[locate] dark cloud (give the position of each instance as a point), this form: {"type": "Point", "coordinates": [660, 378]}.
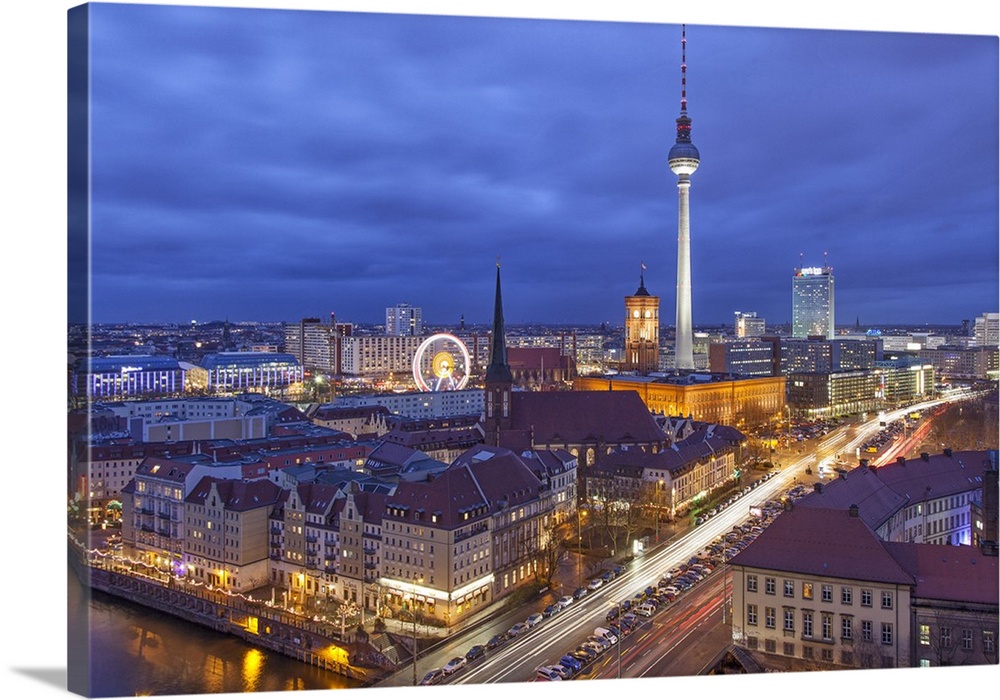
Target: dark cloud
{"type": "Point", "coordinates": [267, 164]}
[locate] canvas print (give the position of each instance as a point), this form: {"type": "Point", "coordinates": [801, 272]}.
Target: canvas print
{"type": "Point", "coordinates": [420, 350]}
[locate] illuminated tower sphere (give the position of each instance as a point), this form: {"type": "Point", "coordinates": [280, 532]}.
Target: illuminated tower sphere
{"type": "Point", "coordinates": [683, 160]}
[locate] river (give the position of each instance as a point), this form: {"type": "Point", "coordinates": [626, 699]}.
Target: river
{"type": "Point", "coordinates": [138, 651]}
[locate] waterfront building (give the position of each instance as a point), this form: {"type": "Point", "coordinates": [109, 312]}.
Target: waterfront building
{"type": "Point", "coordinates": [403, 319]}
{"type": "Point", "coordinates": [153, 505]}
{"type": "Point", "coordinates": [470, 536]}
{"type": "Point", "coordinates": [642, 331]}
{"type": "Point", "coordinates": [238, 372]}
{"type": "Point", "coordinates": [225, 537]}
{"type": "Point", "coordinates": [127, 376]}
{"type": "Point", "coordinates": [812, 302]}
{"type": "Point", "coordinates": [748, 325]}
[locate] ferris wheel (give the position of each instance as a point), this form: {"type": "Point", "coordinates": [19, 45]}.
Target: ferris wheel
{"type": "Point", "coordinates": [441, 363]}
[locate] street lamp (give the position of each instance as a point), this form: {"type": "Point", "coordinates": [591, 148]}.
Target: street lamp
{"type": "Point", "coordinates": [413, 613]}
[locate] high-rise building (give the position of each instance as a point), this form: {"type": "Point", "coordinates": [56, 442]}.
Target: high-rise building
{"type": "Point", "coordinates": [748, 325]}
{"type": "Point", "coordinates": [987, 329]}
{"type": "Point", "coordinates": [683, 160]}
{"type": "Point", "coordinates": [403, 319]}
{"type": "Point", "coordinates": [812, 302]}
{"type": "Point", "coordinates": [315, 344]}
{"type": "Point", "coordinates": [642, 330]}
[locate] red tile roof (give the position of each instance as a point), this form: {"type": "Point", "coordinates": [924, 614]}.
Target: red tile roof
{"type": "Point", "coordinates": [823, 542]}
{"type": "Point", "coordinates": [237, 495]}
{"type": "Point", "coordinates": [577, 417]}
{"type": "Point", "coordinates": [947, 572]}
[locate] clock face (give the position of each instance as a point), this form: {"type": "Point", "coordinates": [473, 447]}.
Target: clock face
{"type": "Point", "coordinates": [635, 314]}
{"type": "Point", "coordinates": [649, 314]}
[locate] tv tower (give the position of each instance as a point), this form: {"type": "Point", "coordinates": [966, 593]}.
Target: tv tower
{"type": "Point", "coordinates": [683, 160]}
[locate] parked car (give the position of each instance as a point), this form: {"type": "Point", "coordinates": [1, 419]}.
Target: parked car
{"type": "Point", "coordinates": [433, 676]}
{"type": "Point", "coordinates": [476, 652]}
{"type": "Point", "coordinates": [496, 640]}
{"type": "Point", "coordinates": [646, 610]}
{"type": "Point", "coordinates": [607, 576]}
{"type": "Point", "coordinates": [564, 673]}
{"type": "Point", "coordinates": [454, 665]}
{"type": "Point", "coordinates": [619, 570]}
{"type": "Point", "coordinates": [570, 662]}
{"type": "Point", "coordinates": [602, 643]}
{"type": "Point", "coordinates": [551, 610]}
{"type": "Point", "coordinates": [551, 671]}
{"type": "Point", "coordinates": [544, 673]}
{"type": "Point", "coordinates": [612, 615]}
{"type": "Point", "coordinates": [566, 601]}
{"type": "Point", "coordinates": [606, 633]}
{"type": "Point", "coordinates": [579, 593]}
{"type": "Point", "coordinates": [517, 629]}
{"type": "Point", "coordinates": [534, 619]}
{"type": "Point", "coordinates": [597, 647]}
{"type": "Point", "coordinates": [595, 584]}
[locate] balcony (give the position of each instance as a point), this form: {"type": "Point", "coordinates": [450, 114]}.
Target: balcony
{"type": "Point", "coordinates": [331, 569]}
{"type": "Point", "coordinates": [312, 539]}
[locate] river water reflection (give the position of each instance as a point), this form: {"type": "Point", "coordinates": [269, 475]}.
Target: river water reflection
{"type": "Point", "coordinates": [138, 651]}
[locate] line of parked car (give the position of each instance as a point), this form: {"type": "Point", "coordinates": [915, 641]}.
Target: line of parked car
{"type": "Point", "coordinates": [478, 651]}
{"type": "Point", "coordinates": [734, 498]}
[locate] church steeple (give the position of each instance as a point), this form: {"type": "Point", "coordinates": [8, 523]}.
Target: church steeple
{"type": "Point", "coordinates": [498, 369]}
{"type": "Point", "coordinates": [499, 380]}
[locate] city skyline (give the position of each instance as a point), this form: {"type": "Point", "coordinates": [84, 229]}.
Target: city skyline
{"type": "Point", "coordinates": [301, 162]}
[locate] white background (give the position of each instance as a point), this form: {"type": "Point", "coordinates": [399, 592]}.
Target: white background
{"type": "Point", "coordinates": [33, 261]}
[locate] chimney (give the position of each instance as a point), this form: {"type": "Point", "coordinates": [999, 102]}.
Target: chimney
{"type": "Point", "coordinates": [853, 510]}
{"type": "Point", "coordinates": [863, 463]}
{"type": "Point", "coordinates": [818, 487]}
{"type": "Point", "coordinates": [901, 460]}
{"type": "Point", "coordinates": [947, 452]}
{"type": "Point", "coordinates": [924, 456]}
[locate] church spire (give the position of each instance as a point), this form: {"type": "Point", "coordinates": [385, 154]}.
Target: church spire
{"type": "Point", "coordinates": [498, 370]}
{"type": "Point", "coordinates": [499, 379]}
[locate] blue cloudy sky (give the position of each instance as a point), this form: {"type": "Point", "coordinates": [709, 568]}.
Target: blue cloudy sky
{"type": "Point", "coordinates": [273, 164]}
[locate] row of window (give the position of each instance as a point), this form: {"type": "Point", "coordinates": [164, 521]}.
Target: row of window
{"type": "Point", "coordinates": [826, 592]}
{"type": "Point", "coordinates": [847, 628]}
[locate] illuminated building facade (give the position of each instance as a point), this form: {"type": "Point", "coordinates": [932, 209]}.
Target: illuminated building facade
{"type": "Point", "coordinates": [642, 331]}
{"type": "Point", "coordinates": [127, 376]}
{"type": "Point", "coordinates": [403, 319]}
{"type": "Point", "coordinates": [230, 372]}
{"type": "Point", "coordinates": [706, 398]}
{"type": "Point", "coordinates": [812, 302]}
{"type": "Point", "coordinates": [748, 325]}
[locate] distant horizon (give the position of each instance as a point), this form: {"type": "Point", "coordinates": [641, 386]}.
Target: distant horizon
{"type": "Point", "coordinates": [509, 323]}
